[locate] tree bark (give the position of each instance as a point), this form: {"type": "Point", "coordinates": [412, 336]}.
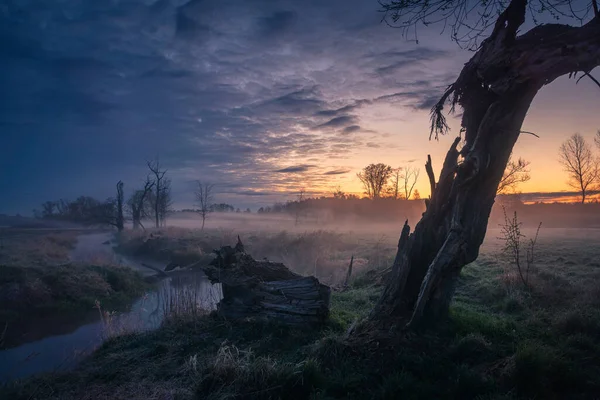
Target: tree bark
{"type": "Point", "coordinates": [495, 90]}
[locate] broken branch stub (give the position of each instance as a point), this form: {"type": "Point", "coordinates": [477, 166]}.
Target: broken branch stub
{"type": "Point", "coordinates": [266, 290]}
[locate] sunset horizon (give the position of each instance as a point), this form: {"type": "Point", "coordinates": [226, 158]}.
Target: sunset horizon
{"type": "Point", "coordinates": [283, 99]}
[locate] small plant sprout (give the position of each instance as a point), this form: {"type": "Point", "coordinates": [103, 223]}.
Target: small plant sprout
{"type": "Point", "coordinates": [514, 246]}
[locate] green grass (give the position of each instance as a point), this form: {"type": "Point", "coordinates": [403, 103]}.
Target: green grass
{"type": "Point", "coordinates": [476, 354]}
{"type": "Point", "coordinates": [501, 341]}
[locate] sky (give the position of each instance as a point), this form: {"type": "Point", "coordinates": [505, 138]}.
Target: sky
{"type": "Point", "coordinates": [259, 97]}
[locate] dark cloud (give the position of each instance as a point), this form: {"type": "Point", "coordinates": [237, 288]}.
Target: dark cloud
{"type": "Point", "coordinates": [303, 102]}
{"type": "Point", "coordinates": [344, 110]}
{"type": "Point", "coordinates": [227, 89]}
{"type": "Point", "coordinates": [167, 73]}
{"type": "Point", "coordinates": [397, 60]}
{"type": "Point", "coordinates": [188, 29]}
{"type": "Point", "coordinates": [351, 129]}
{"type": "Point", "coordinates": [340, 171]}
{"type": "Point", "coordinates": [394, 67]}
{"type": "Point", "coordinates": [277, 23]}
{"type": "Point", "coordinates": [427, 102]}
{"type": "Point", "coordinates": [295, 168]}
{"type": "Point", "coordinates": [337, 122]}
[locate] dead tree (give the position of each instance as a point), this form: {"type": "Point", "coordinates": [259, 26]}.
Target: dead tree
{"type": "Point", "coordinates": [204, 198]}
{"type": "Point", "coordinates": [495, 90]}
{"type": "Point", "coordinates": [138, 204]}
{"type": "Point", "coordinates": [165, 202]}
{"type": "Point", "coordinates": [266, 290]}
{"type": "Point", "coordinates": [120, 220]}
{"type": "Point", "coordinates": [159, 183]}
{"type": "Point", "coordinates": [410, 176]}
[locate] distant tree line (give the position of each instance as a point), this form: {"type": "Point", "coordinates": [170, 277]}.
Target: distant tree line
{"type": "Point", "coordinates": [152, 201]}
{"type": "Point", "coordinates": [390, 187]}
{"type": "Point", "coordinates": [340, 206]}
{"type": "Point", "coordinates": [388, 192]}
{"type": "Point", "coordinates": [218, 208]}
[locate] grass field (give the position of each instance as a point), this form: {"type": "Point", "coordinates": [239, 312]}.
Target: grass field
{"type": "Point", "coordinates": [31, 247]}
{"type": "Point", "coordinates": [502, 341]}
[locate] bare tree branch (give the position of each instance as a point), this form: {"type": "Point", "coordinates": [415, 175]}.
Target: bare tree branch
{"type": "Point", "coordinates": [516, 172]}
{"type": "Point", "coordinates": [579, 163]}
{"type": "Point", "coordinates": [589, 76]}
{"type": "Point", "coordinates": [410, 177]}
{"type": "Point", "coordinates": [469, 20]}
{"type": "Point", "coordinates": [139, 204]}
{"type": "Point", "coordinates": [204, 199]}
{"type": "Point", "coordinates": [531, 133]}
{"type": "Point", "coordinates": [159, 187]}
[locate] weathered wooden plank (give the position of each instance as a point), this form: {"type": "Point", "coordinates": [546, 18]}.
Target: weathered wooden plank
{"type": "Point", "coordinates": [263, 289]}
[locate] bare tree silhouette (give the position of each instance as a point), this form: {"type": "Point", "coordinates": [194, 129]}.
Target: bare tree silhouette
{"type": "Point", "coordinates": [120, 220]}
{"type": "Point", "coordinates": [204, 199]}
{"type": "Point", "coordinates": [165, 205]}
{"type": "Point", "coordinates": [410, 176]}
{"type": "Point", "coordinates": [159, 183]}
{"type": "Point", "coordinates": [579, 163]}
{"type": "Point", "coordinates": [139, 204]}
{"type": "Point", "coordinates": [516, 172]}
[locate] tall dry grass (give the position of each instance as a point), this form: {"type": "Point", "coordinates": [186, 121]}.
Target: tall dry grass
{"type": "Point", "coordinates": [116, 324]}
{"type": "Point", "coordinates": [24, 248]}
{"type": "Point", "coordinates": [181, 300]}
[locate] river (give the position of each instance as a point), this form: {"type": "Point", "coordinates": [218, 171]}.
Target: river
{"type": "Point", "coordinates": [60, 342]}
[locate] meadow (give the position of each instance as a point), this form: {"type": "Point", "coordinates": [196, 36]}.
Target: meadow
{"type": "Point", "coordinates": [502, 341]}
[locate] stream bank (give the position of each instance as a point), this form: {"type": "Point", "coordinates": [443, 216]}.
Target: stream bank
{"type": "Point", "coordinates": [57, 338]}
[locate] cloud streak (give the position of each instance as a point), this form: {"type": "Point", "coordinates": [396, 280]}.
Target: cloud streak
{"type": "Point", "coordinates": [103, 86]}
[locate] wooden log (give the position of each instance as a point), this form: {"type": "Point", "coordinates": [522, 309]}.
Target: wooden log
{"type": "Point", "coordinates": [266, 290]}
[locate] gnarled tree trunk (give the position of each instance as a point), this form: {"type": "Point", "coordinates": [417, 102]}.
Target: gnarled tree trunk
{"type": "Point", "coordinates": [495, 90]}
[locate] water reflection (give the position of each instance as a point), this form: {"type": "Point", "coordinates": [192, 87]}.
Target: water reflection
{"type": "Point", "coordinates": [184, 292]}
